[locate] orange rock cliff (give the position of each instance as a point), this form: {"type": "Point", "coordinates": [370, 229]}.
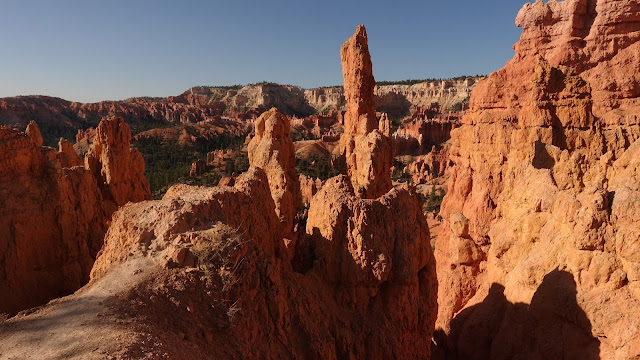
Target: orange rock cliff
{"type": "Point", "coordinates": [54, 212]}
{"type": "Point", "coordinates": [541, 235]}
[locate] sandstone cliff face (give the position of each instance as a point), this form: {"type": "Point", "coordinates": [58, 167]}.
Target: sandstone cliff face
{"type": "Point", "coordinates": [428, 167]}
{"type": "Point", "coordinates": [397, 100]}
{"type": "Point", "coordinates": [366, 150]}
{"type": "Point", "coordinates": [542, 168]}
{"type": "Point", "coordinates": [401, 99]}
{"type": "Point", "coordinates": [418, 137]}
{"type": "Point", "coordinates": [54, 213]}
{"type": "Point", "coordinates": [272, 150]}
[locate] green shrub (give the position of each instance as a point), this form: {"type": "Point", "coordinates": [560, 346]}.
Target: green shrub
{"type": "Point", "coordinates": [433, 202]}
{"type": "Point", "coordinates": [316, 168]}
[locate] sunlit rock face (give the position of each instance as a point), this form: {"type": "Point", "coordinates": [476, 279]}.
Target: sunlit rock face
{"type": "Point", "coordinates": [543, 163]}
{"type": "Point", "coordinates": [365, 146]}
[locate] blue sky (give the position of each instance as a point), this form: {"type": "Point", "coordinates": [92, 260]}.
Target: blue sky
{"type": "Point", "coordinates": [92, 50]}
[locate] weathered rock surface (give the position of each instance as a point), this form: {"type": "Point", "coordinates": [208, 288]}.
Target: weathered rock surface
{"type": "Point", "coordinates": [417, 137]}
{"type": "Point", "coordinates": [542, 171]}
{"type": "Point", "coordinates": [425, 168]}
{"type": "Point", "coordinates": [118, 168]}
{"type": "Point", "coordinates": [34, 133]}
{"type": "Point", "coordinates": [309, 188]}
{"type": "Point", "coordinates": [369, 291]}
{"type": "Point", "coordinates": [198, 167]}
{"type": "Point", "coordinates": [377, 253]}
{"type": "Point", "coordinates": [272, 150]}
{"type": "Point", "coordinates": [54, 213]}
{"type": "Point", "coordinates": [365, 148]}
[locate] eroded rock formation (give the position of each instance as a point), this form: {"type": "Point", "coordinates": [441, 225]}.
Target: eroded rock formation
{"type": "Point", "coordinates": [417, 137]}
{"type": "Point", "coordinates": [309, 188]}
{"type": "Point", "coordinates": [54, 213]}
{"type": "Point", "coordinates": [425, 168]}
{"type": "Point", "coordinates": [366, 149]}
{"type": "Point", "coordinates": [118, 168]}
{"type": "Point", "coordinates": [377, 253]}
{"type": "Point", "coordinates": [358, 282]}
{"type": "Point", "coordinates": [272, 150]}
{"type": "Point", "coordinates": [543, 172]}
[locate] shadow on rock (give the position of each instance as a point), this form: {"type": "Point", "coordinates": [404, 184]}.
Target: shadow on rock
{"type": "Point", "coordinates": [553, 326]}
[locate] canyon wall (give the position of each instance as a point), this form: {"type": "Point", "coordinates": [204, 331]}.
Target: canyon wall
{"type": "Point", "coordinates": [206, 103]}
{"type": "Point", "coordinates": [539, 255]}
{"type": "Point", "coordinates": [55, 111]}
{"type": "Point", "coordinates": [54, 211]}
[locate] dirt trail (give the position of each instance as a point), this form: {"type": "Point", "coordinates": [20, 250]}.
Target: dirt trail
{"type": "Point", "coordinates": [79, 326]}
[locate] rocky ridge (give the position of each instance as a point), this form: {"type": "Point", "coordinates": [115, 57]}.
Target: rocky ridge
{"type": "Point", "coordinates": [209, 103]}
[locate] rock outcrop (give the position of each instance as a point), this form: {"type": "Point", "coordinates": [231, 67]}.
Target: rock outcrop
{"type": "Point", "coordinates": [366, 149]}
{"type": "Point", "coordinates": [543, 172]}
{"type": "Point", "coordinates": [34, 133]}
{"type": "Point", "coordinates": [272, 150]}
{"type": "Point", "coordinates": [377, 254]}
{"type": "Point", "coordinates": [54, 213]}
{"type": "Point", "coordinates": [417, 137]}
{"type": "Point", "coordinates": [118, 168]}
{"type": "Point", "coordinates": [425, 168]}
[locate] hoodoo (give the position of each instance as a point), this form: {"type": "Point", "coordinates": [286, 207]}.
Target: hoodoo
{"type": "Point", "coordinates": [365, 147]}
{"type": "Point", "coordinates": [272, 150]}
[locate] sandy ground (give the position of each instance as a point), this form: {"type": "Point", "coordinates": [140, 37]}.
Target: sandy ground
{"type": "Point", "coordinates": [79, 326]}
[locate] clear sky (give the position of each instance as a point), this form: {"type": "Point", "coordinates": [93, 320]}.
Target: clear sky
{"type": "Point", "coordinates": [92, 50]}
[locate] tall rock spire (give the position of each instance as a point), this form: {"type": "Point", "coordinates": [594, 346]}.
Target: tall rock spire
{"type": "Point", "coordinates": [367, 152]}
